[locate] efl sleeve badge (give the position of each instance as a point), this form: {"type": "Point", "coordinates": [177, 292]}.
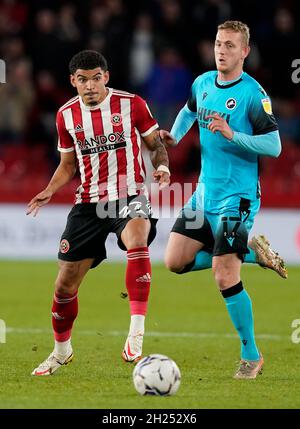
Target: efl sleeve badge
{"type": "Point", "coordinates": [266, 102]}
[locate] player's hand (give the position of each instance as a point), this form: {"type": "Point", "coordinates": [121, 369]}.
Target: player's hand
{"type": "Point", "coordinates": [38, 201]}
{"type": "Point", "coordinates": [167, 138]}
{"type": "Point", "coordinates": [219, 124]}
{"type": "Point", "coordinates": [162, 178]}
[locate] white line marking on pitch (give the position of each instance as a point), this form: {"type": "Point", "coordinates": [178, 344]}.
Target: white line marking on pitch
{"type": "Point", "coordinates": [11, 330]}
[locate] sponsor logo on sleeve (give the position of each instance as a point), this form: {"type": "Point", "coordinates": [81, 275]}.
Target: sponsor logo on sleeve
{"type": "Point", "coordinates": [266, 102]}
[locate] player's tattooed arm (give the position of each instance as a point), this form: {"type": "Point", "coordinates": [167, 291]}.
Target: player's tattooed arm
{"type": "Point", "coordinates": [158, 153]}
{"type": "Point", "coordinates": [159, 158]}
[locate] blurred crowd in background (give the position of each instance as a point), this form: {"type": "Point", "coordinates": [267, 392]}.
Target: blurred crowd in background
{"type": "Point", "coordinates": [154, 48]}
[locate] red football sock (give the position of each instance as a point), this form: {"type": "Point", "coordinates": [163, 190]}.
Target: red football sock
{"type": "Point", "coordinates": [64, 312]}
{"type": "Point", "coordinates": [138, 278]}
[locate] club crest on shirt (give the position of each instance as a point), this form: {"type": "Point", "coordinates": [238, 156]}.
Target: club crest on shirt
{"type": "Point", "coordinates": [116, 119]}
{"type": "Point", "coordinates": [230, 103]}
{"type": "Point", "coordinates": [64, 246]}
{"type": "Point", "coordinates": [266, 102]}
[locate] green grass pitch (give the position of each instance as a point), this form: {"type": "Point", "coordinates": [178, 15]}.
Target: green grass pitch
{"type": "Point", "coordinates": [187, 321]}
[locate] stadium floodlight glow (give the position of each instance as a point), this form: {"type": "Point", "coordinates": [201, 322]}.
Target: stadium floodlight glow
{"type": "Point", "coordinates": [2, 331]}
{"type": "Point", "coordinates": [2, 71]}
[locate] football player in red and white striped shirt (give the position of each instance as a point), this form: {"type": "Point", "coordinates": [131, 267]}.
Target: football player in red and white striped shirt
{"type": "Point", "coordinates": [101, 130]}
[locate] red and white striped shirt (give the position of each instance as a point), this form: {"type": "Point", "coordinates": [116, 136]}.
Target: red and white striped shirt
{"type": "Point", "coordinates": [107, 141]}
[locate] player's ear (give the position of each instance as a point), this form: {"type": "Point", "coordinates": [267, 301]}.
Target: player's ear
{"type": "Point", "coordinates": [246, 51]}
{"type": "Point", "coordinates": [106, 77]}
{"type": "Point", "coordinates": [72, 80]}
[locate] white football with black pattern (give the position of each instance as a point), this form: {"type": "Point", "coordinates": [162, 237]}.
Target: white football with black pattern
{"type": "Point", "coordinates": [156, 374]}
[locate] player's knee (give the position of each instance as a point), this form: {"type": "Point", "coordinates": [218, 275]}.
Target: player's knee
{"type": "Point", "coordinates": [67, 281]}
{"type": "Point", "coordinates": [136, 240]}
{"type": "Point", "coordinates": [220, 279]}
{"type": "Point", "coordinates": [173, 265]}
{"type": "Point", "coordinates": [226, 270]}
{"type": "Point", "coordinates": [65, 287]}
{"type": "Point", "coordinates": [219, 273]}
{"type": "Point", "coordinates": [225, 277]}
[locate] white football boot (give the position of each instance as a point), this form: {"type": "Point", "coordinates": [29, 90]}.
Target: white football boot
{"type": "Point", "coordinates": [133, 348]}
{"type": "Point", "coordinates": [51, 364]}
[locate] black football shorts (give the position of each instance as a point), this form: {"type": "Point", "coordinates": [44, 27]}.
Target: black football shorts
{"type": "Point", "coordinates": [222, 233]}
{"type": "Point", "coordinates": [89, 224]}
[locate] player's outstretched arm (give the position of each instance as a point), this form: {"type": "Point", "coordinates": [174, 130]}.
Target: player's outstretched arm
{"type": "Point", "coordinates": [159, 158]}
{"type": "Point", "coordinates": [63, 174]}
{"type": "Point", "coordinates": [183, 122]}
{"type": "Point", "coordinates": [167, 138]}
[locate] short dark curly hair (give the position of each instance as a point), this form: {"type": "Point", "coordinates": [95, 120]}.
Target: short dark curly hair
{"type": "Point", "coordinates": [87, 60]}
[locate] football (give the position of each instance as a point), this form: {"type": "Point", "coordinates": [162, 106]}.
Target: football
{"type": "Point", "coordinates": [156, 374]}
